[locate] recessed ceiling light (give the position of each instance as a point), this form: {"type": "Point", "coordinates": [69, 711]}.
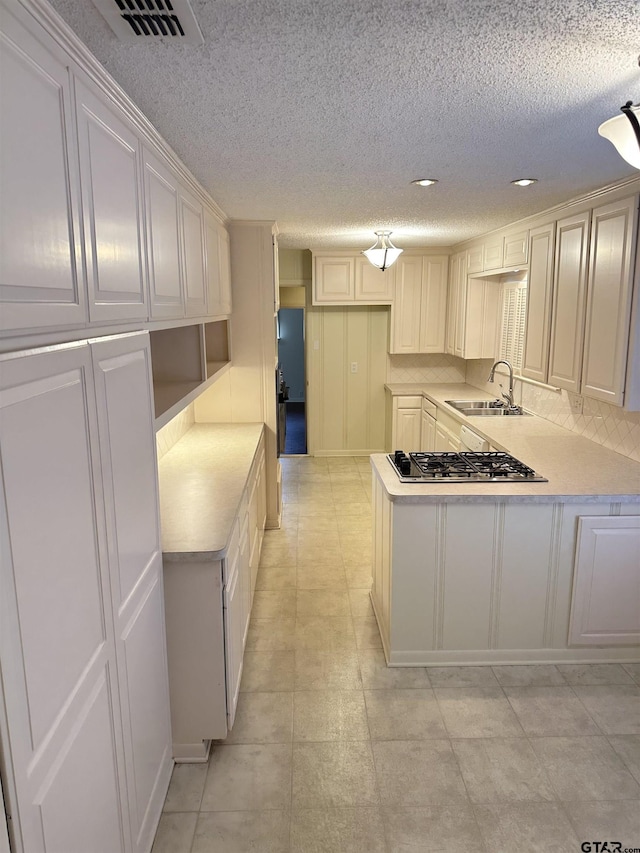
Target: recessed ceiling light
{"type": "Point", "coordinates": [525, 182]}
{"type": "Point", "coordinates": [425, 182]}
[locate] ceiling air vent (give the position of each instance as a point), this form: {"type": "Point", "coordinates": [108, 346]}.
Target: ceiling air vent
{"type": "Point", "coordinates": [135, 20]}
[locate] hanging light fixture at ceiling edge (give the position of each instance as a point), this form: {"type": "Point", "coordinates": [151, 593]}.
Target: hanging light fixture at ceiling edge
{"type": "Point", "coordinates": [623, 131]}
{"type": "Point", "coordinates": [383, 253]}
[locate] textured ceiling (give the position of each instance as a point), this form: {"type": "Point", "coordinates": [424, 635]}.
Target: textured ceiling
{"type": "Point", "coordinates": [319, 113]}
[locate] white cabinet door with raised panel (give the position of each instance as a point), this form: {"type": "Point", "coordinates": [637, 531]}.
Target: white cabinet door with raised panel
{"type": "Point", "coordinates": [605, 605]}
{"type": "Point", "coordinates": [334, 280]}
{"type": "Point", "coordinates": [569, 299]}
{"type": "Point", "coordinates": [127, 445]}
{"type": "Point", "coordinates": [493, 252]}
{"type": "Point", "coordinates": [446, 441]}
{"type": "Point", "coordinates": [193, 263]}
{"type": "Point", "coordinates": [405, 313]}
{"type": "Point", "coordinates": [611, 260]}
{"type": "Point", "coordinates": [539, 292]}
{"type": "Point", "coordinates": [218, 271]}
{"type": "Point", "coordinates": [407, 421]}
{"type": "Point", "coordinates": [433, 307]}
{"type": "Point", "coordinates": [41, 280]}
{"type": "Point", "coordinates": [428, 432]}
{"type": "Point", "coordinates": [372, 285]}
{"type": "Point", "coordinates": [57, 647]}
{"type": "Point", "coordinates": [516, 248]}
{"type": "Point", "coordinates": [166, 301]}
{"type": "Point", "coordinates": [112, 209]}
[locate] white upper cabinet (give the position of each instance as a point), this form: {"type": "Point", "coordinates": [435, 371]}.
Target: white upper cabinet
{"type": "Point", "coordinates": [111, 198]}
{"type": "Point", "coordinates": [218, 267]}
{"type": "Point", "coordinates": [498, 251]}
{"type": "Point", "coordinates": [539, 292]}
{"type": "Point", "coordinates": [334, 280]}
{"type": "Point", "coordinates": [40, 254]}
{"type": "Point", "coordinates": [433, 307]}
{"type": "Point", "coordinates": [344, 279]}
{"type": "Point", "coordinates": [569, 301]}
{"type": "Point", "coordinates": [371, 284]}
{"type": "Point", "coordinates": [419, 308]}
{"type": "Point", "coordinates": [191, 219]}
{"type": "Point", "coordinates": [515, 249]}
{"type": "Point", "coordinates": [472, 313]}
{"type": "Point", "coordinates": [405, 315]}
{"type": "Point", "coordinates": [163, 238]}
{"type": "Point", "coordinates": [613, 229]}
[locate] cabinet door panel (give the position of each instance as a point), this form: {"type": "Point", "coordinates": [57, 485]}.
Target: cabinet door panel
{"type": "Point", "coordinates": [539, 293]}
{"type": "Point", "coordinates": [127, 444]}
{"type": "Point", "coordinates": [493, 253]}
{"type": "Point", "coordinates": [516, 247]}
{"type": "Point", "coordinates": [193, 271]}
{"type": "Point", "coordinates": [112, 211]}
{"type": "Point", "coordinates": [605, 606]}
{"type": "Point", "coordinates": [373, 285]}
{"type": "Point", "coordinates": [569, 296]}
{"type": "Point", "coordinates": [40, 258]}
{"type": "Point", "coordinates": [433, 308]}
{"type": "Point", "coordinates": [57, 649]}
{"type": "Point", "coordinates": [611, 258]}
{"type": "Point", "coordinates": [218, 273]}
{"type": "Point", "coordinates": [405, 332]}
{"type": "Point", "coordinates": [161, 204]}
{"type": "Point", "coordinates": [407, 429]}
{"type": "Point", "coordinates": [334, 280]}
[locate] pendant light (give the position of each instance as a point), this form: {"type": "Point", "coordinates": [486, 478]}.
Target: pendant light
{"type": "Point", "coordinates": [383, 253]}
{"type": "Point", "coordinates": [623, 131]}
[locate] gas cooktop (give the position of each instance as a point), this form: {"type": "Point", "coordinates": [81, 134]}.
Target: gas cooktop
{"type": "Point", "coordinates": [476, 467]}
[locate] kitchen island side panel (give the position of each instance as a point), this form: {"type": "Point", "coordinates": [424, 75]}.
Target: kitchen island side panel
{"type": "Point", "coordinates": [458, 583]}
{"type": "Point", "coordinates": [415, 586]}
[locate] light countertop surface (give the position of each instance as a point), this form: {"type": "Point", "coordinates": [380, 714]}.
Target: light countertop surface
{"type": "Point", "coordinates": [577, 469]}
{"type": "Point", "coordinates": [202, 479]}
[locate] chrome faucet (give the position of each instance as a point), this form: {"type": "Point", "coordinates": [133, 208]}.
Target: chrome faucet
{"type": "Point", "coordinates": [508, 397]}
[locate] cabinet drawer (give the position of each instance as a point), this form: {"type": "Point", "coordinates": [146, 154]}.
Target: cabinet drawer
{"type": "Point", "coordinates": [409, 402]}
{"type": "Point", "coordinates": [429, 408]}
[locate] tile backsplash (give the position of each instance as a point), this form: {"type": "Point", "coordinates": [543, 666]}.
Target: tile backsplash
{"type": "Point", "coordinates": [172, 432]}
{"type": "Point", "coordinates": [607, 425]}
{"type": "Point", "coordinates": [425, 368]}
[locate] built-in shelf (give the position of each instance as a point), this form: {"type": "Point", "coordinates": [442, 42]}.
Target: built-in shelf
{"type": "Point", "coordinates": [185, 361]}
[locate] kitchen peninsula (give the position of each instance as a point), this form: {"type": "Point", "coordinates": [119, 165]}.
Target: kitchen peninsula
{"type": "Point", "coordinates": [486, 573]}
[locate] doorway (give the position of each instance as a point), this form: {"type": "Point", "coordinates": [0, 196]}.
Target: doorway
{"type": "Point", "coordinates": [291, 359]}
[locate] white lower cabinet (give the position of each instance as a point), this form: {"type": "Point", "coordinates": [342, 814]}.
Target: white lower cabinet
{"type": "Point", "coordinates": [427, 431]}
{"type": "Point", "coordinates": [85, 721]}
{"type": "Point", "coordinates": [208, 608]}
{"type": "Point", "coordinates": [605, 606]}
{"type": "Point", "coordinates": [477, 582]}
{"type": "Point", "coordinates": [406, 423]}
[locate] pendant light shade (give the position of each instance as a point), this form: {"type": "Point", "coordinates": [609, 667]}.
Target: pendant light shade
{"type": "Point", "coordinates": [383, 253]}
{"type": "Point", "coordinates": [623, 131]}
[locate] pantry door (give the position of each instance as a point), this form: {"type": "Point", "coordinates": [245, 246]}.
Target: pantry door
{"type": "Point", "coordinates": [128, 458]}
{"type": "Point", "coordinates": [61, 739]}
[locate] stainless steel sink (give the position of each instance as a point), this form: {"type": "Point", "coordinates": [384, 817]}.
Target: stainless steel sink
{"type": "Point", "coordinates": [484, 408]}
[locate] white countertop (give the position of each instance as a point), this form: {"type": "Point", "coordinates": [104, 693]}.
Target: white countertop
{"type": "Point", "coordinates": [202, 479]}
{"type": "Point", "coordinates": [578, 470]}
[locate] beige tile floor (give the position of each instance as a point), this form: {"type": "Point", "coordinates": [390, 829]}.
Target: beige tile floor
{"type": "Point", "coordinates": [333, 752]}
